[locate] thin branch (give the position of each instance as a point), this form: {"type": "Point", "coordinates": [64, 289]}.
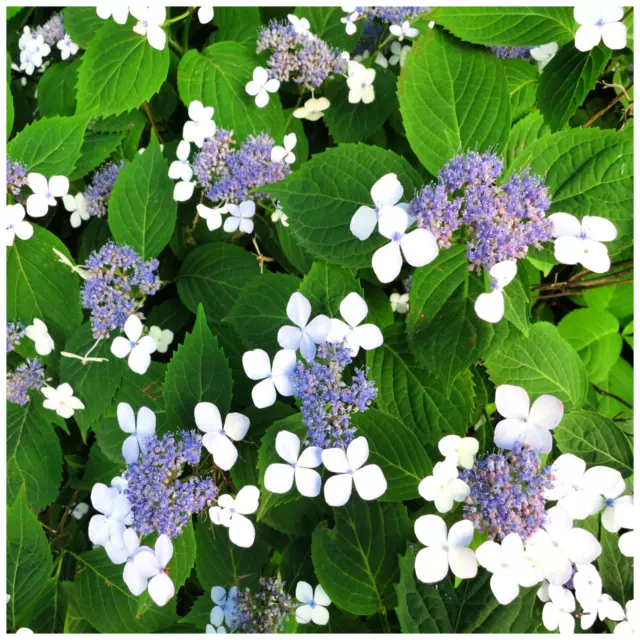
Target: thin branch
{"type": "Point", "coordinates": [577, 292]}
{"type": "Point", "coordinates": [602, 392]}
{"type": "Point", "coordinates": [604, 110]}
{"type": "Point", "coordinates": [579, 284]}
{"type": "Point", "coordinates": [145, 106]}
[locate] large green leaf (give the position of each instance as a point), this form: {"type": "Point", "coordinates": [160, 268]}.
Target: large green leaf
{"type": "Point", "coordinates": [453, 97]}
{"type": "Point", "coordinates": [595, 439]}
{"type": "Point", "coordinates": [445, 333]}
{"type": "Point", "coordinates": [595, 335]}
{"type": "Point", "coordinates": [567, 80]}
{"type": "Point", "coordinates": [38, 286]}
{"type": "Point", "coordinates": [142, 211]}
{"type": "Point", "coordinates": [221, 563]}
{"type": "Point", "coordinates": [119, 71]}
{"type": "Point", "coordinates": [102, 597]}
{"type": "Point", "coordinates": [198, 372]}
{"type": "Point", "coordinates": [213, 275]}
{"type": "Point", "coordinates": [238, 24]}
{"type": "Point", "coordinates": [589, 172]}
{"type": "Point", "coordinates": [355, 122]}
{"type": "Point", "coordinates": [542, 363]}
{"type": "Point", "coordinates": [619, 382]}
{"type": "Point", "coordinates": [522, 82]}
{"type": "Point", "coordinates": [57, 89]}
{"type": "Point", "coordinates": [217, 77]}
{"type": "Point", "coordinates": [49, 609]}
{"type": "Point", "coordinates": [326, 286]}
{"type": "Point", "coordinates": [411, 393]}
{"type": "Point", "coordinates": [51, 145]}
{"type": "Point", "coordinates": [357, 560]}
{"type": "Point", "coordinates": [95, 383]}
{"type": "Point", "coordinates": [96, 148]}
{"type": "Point", "coordinates": [511, 26]}
{"type": "Point", "coordinates": [397, 451]}
{"type": "Point", "coordinates": [616, 571]}
{"type": "Point", "coordinates": [34, 457]}
{"type": "Point", "coordinates": [470, 608]}
{"type": "Point", "coordinates": [322, 196]}
{"type": "Point", "coordinates": [28, 560]}
{"type": "Point", "coordinates": [261, 309]}
{"type": "Point", "coordinates": [81, 23]}
{"type": "Point", "coordinates": [523, 133]}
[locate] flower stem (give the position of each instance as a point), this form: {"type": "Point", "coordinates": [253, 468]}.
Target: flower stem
{"type": "Point", "coordinates": [185, 32]}
{"type": "Point", "coordinates": [182, 16]}
{"type": "Point", "coordinates": [145, 106]}
{"type": "Point", "coordinates": [174, 45]}
{"type": "Point", "coordinates": [386, 628]}
{"type": "Point", "coordinates": [604, 110]}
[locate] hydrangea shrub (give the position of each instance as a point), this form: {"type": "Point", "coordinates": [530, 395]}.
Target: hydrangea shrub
{"type": "Point", "coordinates": [319, 319]}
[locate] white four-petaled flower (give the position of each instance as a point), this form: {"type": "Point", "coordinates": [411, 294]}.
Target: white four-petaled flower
{"type": "Point", "coordinates": [141, 430]}
{"type": "Point", "coordinates": [523, 424]}
{"type": "Point", "coordinates": [418, 247]}
{"type": "Point", "coordinates": [278, 477]}
{"type": "Point", "coordinates": [354, 310]}
{"type": "Point", "coordinates": [232, 513]}
{"type": "Point", "coordinates": [61, 400]}
{"type": "Point", "coordinates": [77, 207]}
{"type": "Point", "coordinates": [114, 514]}
{"type": "Point", "coordinates": [349, 21]}
{"type": "Point", "coordinates": [150, 20]}
{"type": "Point", "coordinates": [200, 126]}
{"type": "Point", "coordinates": [152, 565]}
{"type": "Point", "coordinates": [444, 487]}
{"type": "Point", "coordinates": [404, 30]}
{"type": "Point", "coordinates": [314, 604]}
{"type": "Point", "coordinates": [630, 626]}
{"type": "Point", "coordinates": [278, 154]}
{"type": "Point", "coordinates": [163, 338]}
{"type": "Point", "coordinates": [218, 440]}
{"type": "Point", "coordinates": [138, 348]}
{"type": "Point", "coordinates": [44, 193]}
{"type": "Point", "coordinates": [544, 54]}
{"type": "Point", "coordinates": [582, 242]}
{"type": "Point", "coordinates": [16, 225]}
{"type": "Point", "coordinates": [398, 53]}
{"type": "Point", "coordinates": [224, 602]}
{"type": "Point", "coordinates": [39, 333]}
{"type": "Point", "coordinates": [261, 86]}
{"type": "Point", "coordinates": [599, 23]}
{"type": "Point", "coordinates": [240, 217]}
{"type": "Point", "coordinates": [67, 47]}
{"type": "Point", "coordinates": [460, 451]}
{"type": "Point", "coordinates": [399, 302]}
{"type": "Point", "coordinates": [558, 612]}
{"type": "Point", "coordinates": [369, 480]}
{"type": "Point", "coordinates": [313, 109]}
{"type": "Point", "coordinates": [386, 194]}
{"type": "Point", "coordinates": [490, 306]}
{"type": "Point", "coordinates": [257, 366]}
{"type": "Point", "coordinates": [123, 551]}
{"type": "Point", "coordinates": [510, 567]}
{"type": "Point", "coordinates": [360, 82]}
{"type": "Point", "coordinates": [443, 552]}
{"type": "Point", "coordinates": [305, 335]}
{"type": "Point", "coordinates": [300, 25]}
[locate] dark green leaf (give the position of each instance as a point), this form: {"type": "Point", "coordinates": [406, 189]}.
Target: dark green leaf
{"type": "Point", "coordinates": [96, 148]}
{"type": "Point", "coordinates": [326, 286]}
{"type": "Point", "coordinates": [522, 81]}
{"type": "Point", "coordinates": [57, 89]}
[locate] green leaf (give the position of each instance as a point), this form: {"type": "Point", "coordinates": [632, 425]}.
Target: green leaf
{"type": "Point", "coordinates": [292, 250]}
{"type": "Point", "coordinates": [325, 23]}
{"type": "Point", "coordinates": [379, 312]}
{"type": "Point", "coordinates": [50, 146]}
{"type": "Point", "coordinates": [355, 122]}
{"type": "Point", "coordinates": [542, 363]}
{"type": "Point", "coordinates": [326, 286]}
{"type": "Point", "coordinates": [357, 561]}
{"type": "Point", "coordinates": [96, 148]}
{"type": "Point", "coordinates": [10, 111]}
{"type": "Point", "coordinates": [321, 197]}
{"type": "Point", "coordinates": [100, 594]}
{"type": "Point", "coordinates": [595, 439]}
{"type": "Point", "coordinates": [12, 12]}
{"type": "Point", "coordinates": [213, 275]}
{"type": "Point", "coordinates": [453, 97]}
{"type": "Point", "coordinates": [217, 77]}
{"type": "Point", "coordinates": [95, 383]}
{"type": "Point", "coordinates": [99, 468]}
{"type": "Point", "coordinates": [508, 26]}
{"type": "Point", "coordinates": [28, 559]}
{"type": "Point", "coordinates": [523, 133]}
{"type": "Point", "coordinates": [397, 451]}
{"type": "Point", "coordinates": [616, 571]}
{"type": "Point", "coordinates": [619, 382]}
{"type": "Point", "coordinates": [517, 301]}
{"type": "Point", "coordinates": [594, 334]}
{"type": "Point", "coordinates": [34, 457]}
{"type": "Point", "coordinates": [49, 609]}
{"type": "Point", "coordinates": [219, 562]}
{"type": "Point", "coordinates": [142, 211]}
{"type": "Point", "coordinates": [57, 89]}
{"type": "Point", "coordinates": [261, 309]}
{"type": "Point", "coordinates": [567, 80]}
{"type": "Point", "coordinates": [198, 372]}
{"type": "Point", "coordinates": [617, 300]}
{"type": "Point", "coordinates": [410, 392]}
{"type": "Point", "coordinates": [470, 608]}
{"type": "Point", "coordinates": [81, 23]}
{"type": "Point", "coordinates": [445, 333]}
{"type": "Point", "coordinates": [522, 82]}
{"type": "Point", "coordinates": [583, 169]}
{"type": "Point", "coordinates": [237, 24]}
{"type": "Point", "coordinates": [119, 71]}
{"type": "Point", "coordinates": [38, 286]}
